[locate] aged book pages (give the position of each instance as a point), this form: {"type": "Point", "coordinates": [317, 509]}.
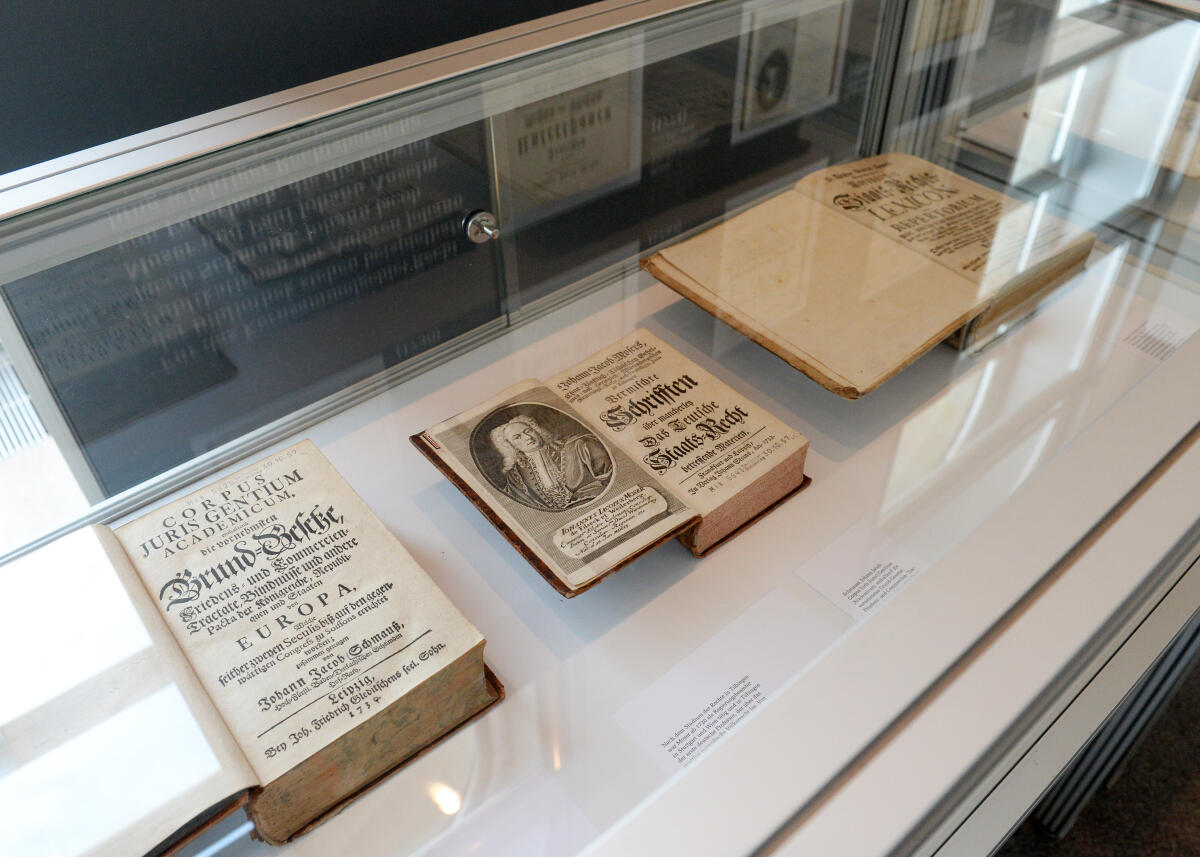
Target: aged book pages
{"type": "Point", "coordinates": [121, 708]}
{"type": "Point", "coordinates": [329, 653]}
{"type": "Point", "coordinates": [861, 268]}
{"type": "Point", "coordinates": [577, 508]}
{"type": "Point", "coordinates": [724, 456]}
{"type": "Point", "coordinates": [233, 774]}
{"type": "Point", "coordinates": [613, 456]}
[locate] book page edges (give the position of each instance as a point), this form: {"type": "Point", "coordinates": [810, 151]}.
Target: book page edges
{"type": "Point", "coordinates": [749, 505]}
{"type": "Point", "coordinates": [1022, 298]}
{"type": "Point", "coordinates": [422, 442]}
{"type": "Point", "coordinates": [279, 817]}
{"type": "Point", "coordinates": [495, 689]}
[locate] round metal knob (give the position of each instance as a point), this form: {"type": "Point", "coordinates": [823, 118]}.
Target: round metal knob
{"type": "Point", "coordinates": [481, 226]}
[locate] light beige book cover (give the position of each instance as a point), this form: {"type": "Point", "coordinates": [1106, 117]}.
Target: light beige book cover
{"type": "Point", "coordinates": [308, 651]}
{"type": "Point", "coordinates": [861, 268]}
{"type": "Point", "coordinates": [588, 470]}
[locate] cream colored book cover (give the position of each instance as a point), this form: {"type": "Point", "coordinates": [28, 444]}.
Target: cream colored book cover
{"type": "Point", "coordinates": [578, 507]}
{"type": "Point", "coordinates": [717, 450]}
{"type": "Point", "coordinates": [264, 641]}
{"type": "Point", "coordinates": [861, 268]}
{"type": "Point", "coordinates": [311, 629]}
{"type": "Point", "coordinates": [291, 600]}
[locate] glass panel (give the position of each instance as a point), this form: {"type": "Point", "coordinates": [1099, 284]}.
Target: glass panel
{"type": "Point", "coordinates": [337, 251]}
{"type": "Point", "coordinates": [192, 334]}
{"type": "Point", "coordinates": [98, 738]}
{"type": "Point", "coordinates": [1085, 106]}
{"type": "Point", "coordinates": [157, 67]}
{"type": "Point", "coordinates": [153, 321]}
{"type": "Point", "coordinates": [634, 142]}
{"type": "Point", "coordinates": [162, 322]}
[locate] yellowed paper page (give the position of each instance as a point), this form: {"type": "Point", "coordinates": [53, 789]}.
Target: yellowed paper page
{"type": "Point", "coordinates": [862, 267]}
{"type": "Point", "coordinates": [844, 304]}
{"type": "Point", "coordinates": [695, 433]}
{"type": "Point", "coordinates": [986, 236]}
{"type": "Point", "coordinates": [300, 613]}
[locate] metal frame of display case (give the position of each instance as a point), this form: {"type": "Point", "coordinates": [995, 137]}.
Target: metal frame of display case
{"type": "Point", "coordinates": [68, 176]}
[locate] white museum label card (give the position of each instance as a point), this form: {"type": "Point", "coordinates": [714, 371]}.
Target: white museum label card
{"type": "Point", "coordinates": [716, 687]}
{"type": "Point", "coordinates": [861, 569]}
{"type": "Point", "coordinates": [1156, 331]}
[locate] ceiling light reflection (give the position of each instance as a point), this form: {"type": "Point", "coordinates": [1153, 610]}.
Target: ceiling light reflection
{"type": "Point", "coordinates": [447, 799]}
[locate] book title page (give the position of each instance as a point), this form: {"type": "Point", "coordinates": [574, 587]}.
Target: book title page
{"type": "Point", "coordinates": [300, 613]}
{"type": "Point", "coordinates": [696, 434]}
{"type": "Point", "coordinates": [979, 233]}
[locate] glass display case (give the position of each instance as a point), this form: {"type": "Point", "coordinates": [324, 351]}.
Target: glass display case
{"type": "Point", "coordinates": [997, 541]}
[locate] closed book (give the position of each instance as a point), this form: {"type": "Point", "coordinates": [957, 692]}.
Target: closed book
{"type": "Point", "coordinates": [859, 269]}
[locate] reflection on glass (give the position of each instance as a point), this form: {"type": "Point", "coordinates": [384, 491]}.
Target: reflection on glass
{"type": "Point", "coordinates": [79, 794]}
{"type": "Point", "coordinates": [1109, 125]}
{"type": "Point", "coordinates": [944, 27]}
{"type": "Point", "coordinates": [170, 342]}
{"type": "Point", "coordinates": [49, 491]}
{"type": "Point", "coordinates": [934, 438]}
{"type": "Point", "coordinates": [210, 300]}
{"type": "Point", "coordinates": [564, 150]}
{"type": "Point", "coordinates": [447, 799]}
{"type": "Point", "coordinates": [790, 62]}
{"type": "Point", "coordinates": [979, 440]}
{"type": "Point", "coordinates": [93, 626]}
{"type": "Point", "coordinates": [1070, 7]}
{"type": "Point", "coordinates": [101, 725]}
{"type": "Point", "coordinates": [727, 113]}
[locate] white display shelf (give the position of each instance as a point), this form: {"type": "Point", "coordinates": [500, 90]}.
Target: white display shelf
{"type": "Point", "coordinates": [981, 472]}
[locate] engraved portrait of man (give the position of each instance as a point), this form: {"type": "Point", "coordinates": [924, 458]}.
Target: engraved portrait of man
{"type": "Point", "coordinates": [546, 469]}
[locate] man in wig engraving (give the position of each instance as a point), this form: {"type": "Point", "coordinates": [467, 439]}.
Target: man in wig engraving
{"type": "Point", "coordinates": [547, 473]}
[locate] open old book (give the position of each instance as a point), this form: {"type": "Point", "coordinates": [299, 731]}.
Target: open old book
{"type": "Point", "coordinates": [275, 647]}
{"type": "Point", "coordinates": [859, 269]}
{"type": "Point", "coordinates": [636, 445]}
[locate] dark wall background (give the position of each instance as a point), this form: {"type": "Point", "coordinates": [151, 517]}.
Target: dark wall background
{"type": "Point", "coordinates": [76, 73]}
